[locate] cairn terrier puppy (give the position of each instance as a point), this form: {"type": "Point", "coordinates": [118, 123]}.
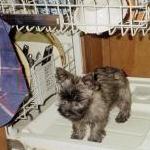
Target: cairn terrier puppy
{"type": "Point", "coordinates": [88, 100]}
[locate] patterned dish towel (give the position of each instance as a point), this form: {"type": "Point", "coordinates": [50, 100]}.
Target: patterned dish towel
{"type": "Point", "coordinates": [12, 82]}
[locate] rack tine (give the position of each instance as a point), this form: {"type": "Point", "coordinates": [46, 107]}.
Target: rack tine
{"type": "Point", "coordinates": [112, 31]}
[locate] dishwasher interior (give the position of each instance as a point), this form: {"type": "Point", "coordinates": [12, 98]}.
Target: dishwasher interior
{"type": "Point", "coordinates": [58, 23]}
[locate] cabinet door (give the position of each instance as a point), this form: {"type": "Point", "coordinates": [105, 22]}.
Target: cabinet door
{"type": "Point", "coordinates": [3, 144]}
{"type": "Point", "coordinates": [129, 53]}
{"type": "Point", "coordinates": [91, 52]}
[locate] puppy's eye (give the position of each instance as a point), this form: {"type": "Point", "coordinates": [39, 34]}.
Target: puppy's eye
{"type": "Point", "coordinates": [64, 102]}
{"type": "Point", "coordinates": [76, 104]}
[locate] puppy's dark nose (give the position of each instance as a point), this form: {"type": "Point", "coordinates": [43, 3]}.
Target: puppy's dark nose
{"type": "Point", "coordinates": [59, 109]}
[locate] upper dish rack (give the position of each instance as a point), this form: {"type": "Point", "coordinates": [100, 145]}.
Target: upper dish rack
{"type": "Point", "coordinates": [90, 16]}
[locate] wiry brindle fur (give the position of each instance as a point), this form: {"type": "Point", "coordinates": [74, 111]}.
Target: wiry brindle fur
{"type": "Point", "coordinates": [88, 100]}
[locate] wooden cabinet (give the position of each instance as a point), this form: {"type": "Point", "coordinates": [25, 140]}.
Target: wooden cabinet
{"type": "Point", "coordinates": [129, 53]}
{"type": "Point", "coordinates": [3, 144]}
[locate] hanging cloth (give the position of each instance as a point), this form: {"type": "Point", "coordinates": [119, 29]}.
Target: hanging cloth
{"type": "Point", "coordinates": [12, 82]}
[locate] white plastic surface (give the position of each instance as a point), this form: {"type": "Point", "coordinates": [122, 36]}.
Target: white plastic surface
{"type": "Point", "coordinates": [50, 131]}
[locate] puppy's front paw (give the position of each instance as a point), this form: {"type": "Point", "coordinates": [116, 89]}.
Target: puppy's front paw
{"type": "Point", "coordinates": [121, 118]}
{"type": "Point", "coordinates": [77, 136]}
{"type": "Point", "coordinates": [95, 139]}
{"type": "Point", "coordinates": [98, 136]}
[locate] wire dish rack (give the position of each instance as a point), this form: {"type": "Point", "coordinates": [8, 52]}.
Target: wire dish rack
{"type": "Point", "coordinates": [89, 16]}
{"type": "Point", "coordinates": [42, 87]}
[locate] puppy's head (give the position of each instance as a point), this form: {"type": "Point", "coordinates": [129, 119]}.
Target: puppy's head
{"type": "Point", "coordinates": [75, 96]}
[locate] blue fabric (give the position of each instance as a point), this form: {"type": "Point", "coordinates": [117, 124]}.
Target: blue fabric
{"type": "Point", "coordinates": [12, 82]}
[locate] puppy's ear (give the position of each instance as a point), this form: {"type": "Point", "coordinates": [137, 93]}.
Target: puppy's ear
{"type": "Point", "coordinates": [62, 75]}
{"type": "Point", "coordinates": [90, 81]}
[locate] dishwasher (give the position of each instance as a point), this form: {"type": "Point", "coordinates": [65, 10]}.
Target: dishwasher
{"type": "Point", "coordinates": [56, 26]}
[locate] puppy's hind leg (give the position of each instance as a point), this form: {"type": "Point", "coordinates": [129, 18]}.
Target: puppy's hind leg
{"type": "Point", "coordinates": [79, 130]}
{"type": "Point", "coordinates": [124, 104]}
